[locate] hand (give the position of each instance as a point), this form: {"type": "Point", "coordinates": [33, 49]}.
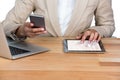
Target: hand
{"type": "Point", "coordinates": [28, 30]}
{"type": "Point", "coordinates": [90, 34]}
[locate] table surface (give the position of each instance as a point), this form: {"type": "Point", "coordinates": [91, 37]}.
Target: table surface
{"type": "Point", "coordinates": [55, 64]}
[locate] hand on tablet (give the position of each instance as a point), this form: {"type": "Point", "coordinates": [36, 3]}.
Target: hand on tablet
{"type": "Point", "coordinates": [90, 34]}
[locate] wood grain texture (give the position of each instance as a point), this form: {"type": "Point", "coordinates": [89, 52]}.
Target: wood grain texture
{"type": "Point", "coordinates": [57, 65]}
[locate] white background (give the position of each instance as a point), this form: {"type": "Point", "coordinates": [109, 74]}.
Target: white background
{"type": "Point", "coordinates": [6, 5]}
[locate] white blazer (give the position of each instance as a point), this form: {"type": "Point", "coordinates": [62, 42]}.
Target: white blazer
{"type": "Point", "coordinates": [81, 19]}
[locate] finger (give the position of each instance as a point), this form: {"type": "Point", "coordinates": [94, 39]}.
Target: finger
{"type": "Point", "coordinates": [84, 38]}
{"type": "Point", "coordinates": [28, 24]}
{"type": "Point", "coordinates": [96, 36]}
{"type": "Point", "coordinates": [31, 35]}
{"type": "Point", "coordinates": [38, 33]}
{"type": "Point", "coordinates": [91, 37]}
{"type": "Point", "coordinates": [85, 35]}
{"type": "Point", "coordinates": [79, 36]}
{"type": "Point", "coordinates": [35, 30]}
{"type": "Point", "coordinates": [99, 38]}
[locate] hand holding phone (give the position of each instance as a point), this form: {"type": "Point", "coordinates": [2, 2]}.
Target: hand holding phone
{"type": "Point", "coordinates": [38, 21]}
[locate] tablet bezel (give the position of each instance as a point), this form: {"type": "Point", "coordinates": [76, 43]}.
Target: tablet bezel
{"type": "Point", "coordinates": [66, 47]}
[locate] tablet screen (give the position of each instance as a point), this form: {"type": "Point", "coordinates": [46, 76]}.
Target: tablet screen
{"type": "Point", "coordinates": [77, 45]}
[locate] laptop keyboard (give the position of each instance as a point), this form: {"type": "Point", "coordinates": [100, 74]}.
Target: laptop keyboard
{"type": "Point", "coordinates": [16, 51]}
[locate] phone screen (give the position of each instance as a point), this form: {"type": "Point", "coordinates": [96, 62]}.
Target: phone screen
{"type": "Point", "coordinates": [38, 21]}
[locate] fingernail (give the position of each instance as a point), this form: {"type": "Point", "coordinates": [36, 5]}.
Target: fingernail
{"type": "Point", "coordinates": [81, 42]}
{"type": "Point", "coordinates": [42, 28]}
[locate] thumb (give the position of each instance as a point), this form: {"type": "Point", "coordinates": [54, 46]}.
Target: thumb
{"type": "Point", "coordinates": [29, 25]}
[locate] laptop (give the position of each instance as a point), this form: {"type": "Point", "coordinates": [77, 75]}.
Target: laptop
{"type": "Point", "coordinates": [13, 50]}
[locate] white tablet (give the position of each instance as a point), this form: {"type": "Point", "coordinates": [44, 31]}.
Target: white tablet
{"type": "Point", "coordinates": [71, 45]}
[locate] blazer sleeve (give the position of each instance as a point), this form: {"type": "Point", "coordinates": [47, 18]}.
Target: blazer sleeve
{"type": "Point", "coordinates": [17, 15]}
{"type": "Point", "coordinates": [104, 18]}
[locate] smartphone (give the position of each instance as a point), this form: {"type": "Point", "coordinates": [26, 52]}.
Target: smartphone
{"type": "Point", "coordinates": [38, 21]}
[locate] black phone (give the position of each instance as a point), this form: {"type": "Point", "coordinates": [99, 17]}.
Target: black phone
{"type": "Point", "coordinates": [38, 21]}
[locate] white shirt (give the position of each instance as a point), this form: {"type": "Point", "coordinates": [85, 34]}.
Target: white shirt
{"type": "Point", "coordinates": [65, 8]}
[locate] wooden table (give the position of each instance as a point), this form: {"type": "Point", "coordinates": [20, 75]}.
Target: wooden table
{"type": "Point", "coordinates": [57, 65]}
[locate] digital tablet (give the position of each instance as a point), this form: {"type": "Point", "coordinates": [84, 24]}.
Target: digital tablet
{"type": "Point", "coordinates": [72, 45]}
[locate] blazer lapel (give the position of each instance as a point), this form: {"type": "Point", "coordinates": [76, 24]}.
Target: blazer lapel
{"type": "Point", "coordinates": [79, 8]}
{"type": "Point", "coordinates": [53, 15]}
